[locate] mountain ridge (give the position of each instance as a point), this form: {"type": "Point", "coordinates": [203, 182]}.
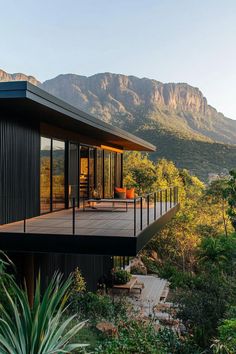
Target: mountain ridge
{"type": "Point", "coordinates": [174, 116]}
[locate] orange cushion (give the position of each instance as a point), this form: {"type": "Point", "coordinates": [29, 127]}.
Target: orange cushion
{"type": "Point", "coordinates": [117, 189]}
{"type": "Point", "coordinates": [130, 193]}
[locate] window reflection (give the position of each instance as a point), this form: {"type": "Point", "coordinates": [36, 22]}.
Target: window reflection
{"type": "Point", "coordinates": [73, 173]}
{"type": "Point", "coordinates": [99, 165]}
{"type": "Point", "coordinates": [84, 166]}
{"type": "Point", "coordinates": [58, 174]}
{"type": "Point", "coordinates": [45, 175]}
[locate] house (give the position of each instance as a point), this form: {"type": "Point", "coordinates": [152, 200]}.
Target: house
{"type": "Point", "coordinates": [55, 158]}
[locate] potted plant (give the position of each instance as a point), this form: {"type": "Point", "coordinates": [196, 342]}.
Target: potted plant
{"type": "Point", "coordinates": [121, 276]}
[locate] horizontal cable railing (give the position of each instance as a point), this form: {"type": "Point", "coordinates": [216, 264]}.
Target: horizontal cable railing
{"type": "Point", "coordinates": [16, 214]}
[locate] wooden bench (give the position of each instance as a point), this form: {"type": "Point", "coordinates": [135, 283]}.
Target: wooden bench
{"type": "Point", "coordinates": [138, 286]}
{"type": "Point", "coordinates": [92, 203]}
{"type": "Point", "coordinates": [128, 286]}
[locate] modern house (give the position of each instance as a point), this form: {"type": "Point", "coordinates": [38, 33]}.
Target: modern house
{"type": "Point", "coordinates": [58, 170]}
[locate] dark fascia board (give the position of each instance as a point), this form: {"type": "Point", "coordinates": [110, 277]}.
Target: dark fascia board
{"type": "Point", "coordinates": [78, 244]}
{"type": "Point", "coordinates": [24, 89]}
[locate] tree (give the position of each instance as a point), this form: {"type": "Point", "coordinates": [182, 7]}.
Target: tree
{"type": "Point", "coordinates": [216, 195]}
{"type": "Point", "coordinates": [230, 195]}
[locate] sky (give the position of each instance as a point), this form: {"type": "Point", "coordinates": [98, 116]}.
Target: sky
{"type": "Point", "coordinates": [191, 41]}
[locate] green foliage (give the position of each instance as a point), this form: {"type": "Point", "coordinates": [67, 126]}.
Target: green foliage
{"type": "Point", "coordinates": [40, 329]}
{"type": "Point", "coordinates": [5, 279]}
{"type": "Point", "coordinates": [227, 334]}
{"type": "Point", "coordinates": [203, 305]}
{"type": "Point", "coordinates": [218, 252]}
{"type": "Point", "coordinates": [78, 282]}
{"type": "Point", "coordinates": [139, 172]}
{"type": "Point", "coordinates": [121, 276]}
{"type": "Point", "coordinates": [140, 337]}
{"type": "Point", "coordinates": [133, 337]}
{"type": "Point", "coordinates": [230, 195]}
{"type": "Point", "coordinates": [96, 307]}
{"type": "Point", "coordinates": [150, 264]}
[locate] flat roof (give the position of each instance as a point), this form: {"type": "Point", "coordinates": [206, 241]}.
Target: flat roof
{"type": "Point", "coordinates": [22, 95]}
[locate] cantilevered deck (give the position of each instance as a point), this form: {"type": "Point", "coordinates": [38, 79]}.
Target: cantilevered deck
{"type": "Point", "coordinates": [112, 231]}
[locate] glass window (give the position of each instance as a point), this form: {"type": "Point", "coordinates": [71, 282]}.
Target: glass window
{"type": "Point", "coordinates": [107, 174]}
{"type": "Point", "coordinates": [84, 170]}
{"type": "Point", "coordinates": [73, 173]}
{"type": "Point", "coordinates": [45, 175]}
{"type": "Point", "coordinates": [118, 169]}
{"type": "Point", "coordinates": [113, 155]}
{"type": "Point", "coordinates": [99, 173]}
{"type": "Point", "coordinates": [58, 174]}
{"type": "Point", "coordinates": [91, 172]}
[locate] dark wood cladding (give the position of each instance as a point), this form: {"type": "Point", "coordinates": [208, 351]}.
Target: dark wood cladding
{"type": "Point", "coordinates": [93, 268]}
{"type": "Point", "coordinates": [19, 168]}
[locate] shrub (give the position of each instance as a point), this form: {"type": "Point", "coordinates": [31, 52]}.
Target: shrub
{"type": "Point", "coordinates": [227, 334]}
{"type": "Point", "coordinates": [133, 337]}
{"type": "Point", "coordinates": [98, 307]}
{"type": "Point", "coordinates": [42, 329]}
{"type": "Point", "coordinates": [79, 284]}
{"type": "Point", "coordinates": [121, 276]}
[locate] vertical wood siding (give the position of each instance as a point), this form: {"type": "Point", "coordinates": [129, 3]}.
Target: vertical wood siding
{"type": "Point", "coordinates": [19, 169]}
{"type": "Point", "coordinates": [91, 267]}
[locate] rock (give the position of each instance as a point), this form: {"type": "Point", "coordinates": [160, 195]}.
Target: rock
{"type": "Point", "coordinates": [18, 77]}
{"type": "Point", "coordinates": [107, 328]}
{"type": "Point", "coordinates": [138, 267]}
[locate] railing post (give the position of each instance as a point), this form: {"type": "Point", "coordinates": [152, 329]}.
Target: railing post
{"type": "Point", "coordinates": [155, 206]}
{"type": "Point", "coordinates": [141, 213]}
{"type": "Point", "coordinates": [73, 217]}
{"type": "Point", "coordinates": [148, 201]}
{"type": "Point", "coordinates": [161, 202]}
{"type": "Point", "coordinates": [134, 216]}
{"type": "Point", "coordinates": [170, 197]}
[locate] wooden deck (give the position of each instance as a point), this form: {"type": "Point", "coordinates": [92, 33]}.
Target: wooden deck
{"type": "Point", "coordinates": [109, 222]}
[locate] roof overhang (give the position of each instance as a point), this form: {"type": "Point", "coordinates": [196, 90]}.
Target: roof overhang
{"type": "Point", "coordinates": [24, 98]}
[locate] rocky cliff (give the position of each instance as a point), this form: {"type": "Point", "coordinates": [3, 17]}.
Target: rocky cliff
{"type": "Point", "coordinates": [175, 117]}
{"type": "Point", "coordinates": [18, 77]}
{"type": "Point", "coordinates": [128, 100]}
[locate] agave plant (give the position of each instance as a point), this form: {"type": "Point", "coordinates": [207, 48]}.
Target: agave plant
{"type": "Point", "coordinates": [42, 329]}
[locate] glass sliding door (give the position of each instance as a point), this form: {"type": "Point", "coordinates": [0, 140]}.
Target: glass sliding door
{"type": "Point", "coordinates": [84, 172]}
{"type": "Point", "coordinates": [73, 191]}
{"type": "Point", "coordinates": [107, 174]}
{"type": "Point", "coordinates": [113, 155]}
{"type": "Point", "coordinates": [45, 175]}
{"type": "Point", "coordinates": [118, 170]}
{"type": "Point", "coordinates": [91, 172]}
{"type": "Point", "coordinates": [99, 173]}
{"type": "Point", "coordinates": [58, 174]}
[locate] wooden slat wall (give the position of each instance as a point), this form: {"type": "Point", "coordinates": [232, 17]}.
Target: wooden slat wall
{"type": "Point", "coordinates": [91, 267]}
{"type": "Point", "coordinates": [19, 169]}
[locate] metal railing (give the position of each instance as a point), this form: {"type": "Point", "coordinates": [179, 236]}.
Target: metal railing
{"type": "Point", "coordinates": [140, 213]}
{"type": "Point", "coordinates": [151, 206]}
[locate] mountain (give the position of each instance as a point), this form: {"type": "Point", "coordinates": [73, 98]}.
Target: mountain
{"type": "Point", "coordinates": [122, 100]}
{"type": "Point", "coordinates": [174, 116]}
{"type": "Point", "coordinates": [18, 77]}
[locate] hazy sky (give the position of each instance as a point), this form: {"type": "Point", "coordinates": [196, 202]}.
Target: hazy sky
{"type": "Point", "coordinates": [191, 41]}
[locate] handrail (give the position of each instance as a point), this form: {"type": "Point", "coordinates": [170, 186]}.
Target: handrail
{"type": "Point", "coordinates": [146, 209]}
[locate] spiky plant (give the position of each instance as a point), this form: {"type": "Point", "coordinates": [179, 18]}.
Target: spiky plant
{"type": "Point", "coordinates": [42, 329]}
